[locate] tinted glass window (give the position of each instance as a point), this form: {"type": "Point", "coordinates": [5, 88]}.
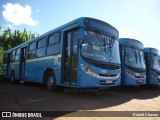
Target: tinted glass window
{"type": "Point", "coordinates": [18, 51]}
{"type": "Point", "coordinates": [13, 56]}
{"type": "Point", "coordinates": [32, 46]}
{"type": "Point", "coordinates": [31, 54]}
{"type": "Point", "coordinates": [54, 38]}
{"type": "Point", "coordinates": [134, 58]}
{"type": "Point", "coordinates": [13, 53]}
{"type": "Point", "coordinates": [53, 49]}
{"type": "Point", "coordinates": [40, 52]}
{"type": "Point", "coordinates": [100, 47]}
{"type": "Point", "coordinates": [12, 59]}
{"type": "Point", "coordinates": [17, 58]}
{"type": "Point", "coordinates": [42, 43]}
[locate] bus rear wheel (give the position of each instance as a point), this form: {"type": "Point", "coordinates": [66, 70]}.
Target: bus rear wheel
{"type": "Point", "coordinates": [50, 82]}
{"type": "Point", "coordinates": [12, 77]}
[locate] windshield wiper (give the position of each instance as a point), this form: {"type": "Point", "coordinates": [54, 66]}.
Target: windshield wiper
{"type": "Point", "coordinates": [110, 44]}
{"type": "Point", "coordinates": [140, 56]}
{"type": "Point", "coordinates": [99, 37]}
{"type": "Point", "coordinates": [101, 40]}
{"type": "Point", "coordinates": [135, 54]}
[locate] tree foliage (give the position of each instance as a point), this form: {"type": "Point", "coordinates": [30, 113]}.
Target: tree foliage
{"type": "Point", "coordinates": [9, 39]}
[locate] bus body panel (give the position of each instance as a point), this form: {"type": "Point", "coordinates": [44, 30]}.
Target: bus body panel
{"type": "Point", "coordinates": [129, 79]}
{"type": "Point", "coordinates": [38, 67]}
{"type": "Point", "coordinates": [153, 76]}
{"type": "Point", "coordinates": [131, 75]}
{"type": "Point", "coordinates": [6, 67]}
{"type": "Point", "coordinates": [98, 78]}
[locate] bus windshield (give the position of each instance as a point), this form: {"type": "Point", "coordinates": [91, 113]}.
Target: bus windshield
{"type": "Point", "coordinates": [100, 47]}
{"type": "Point", "coordinates": [134, 58]}
{"type": "Point", "coordinates": [156, 63]}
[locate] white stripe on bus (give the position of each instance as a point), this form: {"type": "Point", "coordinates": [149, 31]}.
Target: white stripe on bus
{"type": "Point", "coordinates": [44, 58]}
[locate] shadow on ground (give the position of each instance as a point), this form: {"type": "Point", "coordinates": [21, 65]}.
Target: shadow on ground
{"type": "Point", "coordinates": [34, 97]}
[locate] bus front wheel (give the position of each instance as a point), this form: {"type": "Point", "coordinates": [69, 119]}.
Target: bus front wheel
{"type": "Point", "coordinates": [50, 82]}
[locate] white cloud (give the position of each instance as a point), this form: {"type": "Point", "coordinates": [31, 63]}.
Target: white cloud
{"type": "Point", "coordinates": [18, 15]}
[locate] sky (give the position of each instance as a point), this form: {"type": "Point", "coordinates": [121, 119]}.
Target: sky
{"type": "Point", "coordinates": [136, 19]}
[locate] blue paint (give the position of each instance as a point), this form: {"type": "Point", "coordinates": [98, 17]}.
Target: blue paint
{"type": "Point", "coordinates": [103, 68]}
{"type": "Point", "coordinates": [132, 61]}
{"type": "Point", "coordinates": [152, 58]}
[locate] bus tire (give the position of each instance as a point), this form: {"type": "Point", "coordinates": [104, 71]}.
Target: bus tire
{"type": "Point", "coordinates": [50, 81]}
{"type": "Point", "coordinates": [12, 77]}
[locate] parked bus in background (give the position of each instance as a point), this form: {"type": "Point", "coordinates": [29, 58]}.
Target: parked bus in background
{"type": "Point", "coordinates": [83, 53]}
{"type": "Point", "coordinates": [132, 61]}
{"type": "Point", "coordinates": [152, 58]}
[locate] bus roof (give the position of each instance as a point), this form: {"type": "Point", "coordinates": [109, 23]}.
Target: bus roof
{"type": "Point", "coordinates": [76, 22]}
{"type": "Point", "coordinates": [151, 50]}
{"type": "Point", "coordinates": [131, 43]}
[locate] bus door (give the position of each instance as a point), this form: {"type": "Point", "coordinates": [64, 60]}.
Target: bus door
{"type": "Point", "coordinates": [69, 66]}
{"type": "Point", "coordinates": [22, 63]}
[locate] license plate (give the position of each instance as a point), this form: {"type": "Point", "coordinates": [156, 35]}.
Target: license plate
{"type": "Point", "coordinates": [109, 81]}
{"type": "Point", "coordinates": [137, 74]}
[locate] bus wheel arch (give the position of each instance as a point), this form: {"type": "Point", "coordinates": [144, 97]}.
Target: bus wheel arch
{"type": "Point", "coordinates": [49, 80]}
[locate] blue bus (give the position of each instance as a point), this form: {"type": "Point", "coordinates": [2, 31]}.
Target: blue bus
{"type": "Point", "coordinates": [132, 61]}
{"type": "Point", "coordinates": [83, 53]}
{"type": "Point", "coordinates": [152, 59]}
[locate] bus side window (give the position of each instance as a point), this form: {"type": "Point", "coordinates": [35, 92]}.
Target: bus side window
{"type": "Point", "coordinates": [53, 47]}
{"type": "Point", "coordinates": [13, 56]}
{"type": "Point", "coordinates": [17, 56]}
{"type": "Point", "coordinates": [41, 50]}
{"type": "Point", "coordinates": [32, 50]}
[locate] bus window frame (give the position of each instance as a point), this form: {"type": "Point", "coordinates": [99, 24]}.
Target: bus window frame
{"type": "Point", "coordinates": [28, 52]}
{"type": "Point", "coordinates": [58, 42]}
{"type": "Point", "coordinates": [17, 54]}
{"type": "Point", "coordinates": [41, 47]}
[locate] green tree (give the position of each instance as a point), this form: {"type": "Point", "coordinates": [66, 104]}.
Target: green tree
{"type": "Point", "coordinates": [9, 40]}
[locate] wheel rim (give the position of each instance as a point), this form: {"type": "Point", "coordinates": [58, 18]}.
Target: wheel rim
{"type": "Point", "coordinates": [50, 82]}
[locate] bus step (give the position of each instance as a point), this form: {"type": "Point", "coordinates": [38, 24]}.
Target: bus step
{"type": "Point", "coordinates": [22, 81]}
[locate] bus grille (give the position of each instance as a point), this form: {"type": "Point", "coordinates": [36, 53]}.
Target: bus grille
{"type": "Point", "coordinates": [108, 75]}
{"type": "Point", "coordinates": [139, 76]}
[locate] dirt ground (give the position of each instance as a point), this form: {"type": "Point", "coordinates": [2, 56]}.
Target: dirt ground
{"type": "Point", "coordinates": [34, 97]}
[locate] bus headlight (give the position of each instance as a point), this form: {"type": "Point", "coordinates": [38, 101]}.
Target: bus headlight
{"type": "Point", "coordinates": [88, 71]}
{"type": "Point", "coordinates": [129, 74]}
{"type": "Point", "coordinates": [153, 76]}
